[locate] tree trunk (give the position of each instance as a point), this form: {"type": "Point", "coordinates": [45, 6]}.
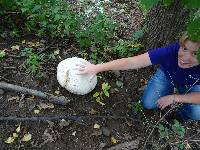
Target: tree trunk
{"type": "Point", "coordinates": [164, 24]}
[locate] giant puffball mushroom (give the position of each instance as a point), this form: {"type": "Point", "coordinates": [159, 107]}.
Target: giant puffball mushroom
{"type": "Point", "coordinates": [69, 79]}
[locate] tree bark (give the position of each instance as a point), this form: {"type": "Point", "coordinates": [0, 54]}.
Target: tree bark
{"type": "Point", "coordinates": [164, 24]}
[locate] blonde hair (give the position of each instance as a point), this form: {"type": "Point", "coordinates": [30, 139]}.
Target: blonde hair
{"type": "Point", "coordinates": [184, 38]}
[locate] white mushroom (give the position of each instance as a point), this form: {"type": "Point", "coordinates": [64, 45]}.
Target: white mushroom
{"type": "Point", "coordinates": [70, 80]}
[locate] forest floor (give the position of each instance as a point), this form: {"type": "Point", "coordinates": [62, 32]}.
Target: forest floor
{"type": "Point", "coordinates": [91, 126]}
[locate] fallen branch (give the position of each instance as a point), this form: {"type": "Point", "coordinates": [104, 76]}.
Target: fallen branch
{"type": "Point", "coordinates": [77, 118]}
{"type": "Point", "coordinates": [45, 118]}
{"type": "Point", "coordinates": [51, 98]}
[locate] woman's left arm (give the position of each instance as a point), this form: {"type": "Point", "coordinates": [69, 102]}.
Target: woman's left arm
{"type": "Point", "coordinates": [191, 98]}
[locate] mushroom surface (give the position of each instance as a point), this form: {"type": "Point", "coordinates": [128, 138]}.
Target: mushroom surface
{"type": "Point", "coordinates": [69, 79]}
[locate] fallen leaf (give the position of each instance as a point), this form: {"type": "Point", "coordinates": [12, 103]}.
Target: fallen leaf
{"type": "Point", "coordinates": [18, 129]}
{"type": "Point", "coordinates": [119, 83]}
{"type": "Point", "coordinates": [134, 45]}
{"type": "Point", "coordinates": [96, 126]}
{"type": "Point", "coordinates": [27, 137]}
{"type": "Point", "coordinates": [10, 140]}
{"type": "Point", "coordinates": [93, 112]}
{"type": "Point", "coordinates": [36, 111]}
{"type": "Point", "coordinates": [98, 100]}
{"type": "Point", "coordinates": [56, 52]}
{"type": "Point", "coordinates": [114, 141]}
{"type": "Point", "coordinates": [24, 41]}
{"type": "Point", "coordinates": [50, 124]}
{"type": "Point", "coordinates": [74, 133]}
{"type": "Point", "coordinates": [64, 123]}
{"type": "Point", "coordinates": [32, 97]}
{"type": "Point", "coordinates": [187, 146]}
{"type": "Point", "coordinates": [2, 53]}
{"type": "Point", "coordinates": [45, 106]}
{"type": "Point", "coordinates": [97, 132]}
{"type": "Point", "coordinates": [15, 135]}
{"type": "Point", "coordinates": [14, 98]}
{"type": "Point", "coordinates": [57, 92]}
{"type": "Point", "coordinates": [144, 81]}
{"type": "Point", "coordinates": [16, 47]}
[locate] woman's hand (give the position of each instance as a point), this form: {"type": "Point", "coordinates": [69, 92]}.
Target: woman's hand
{"type": "Point", "coordinates": [165, 101]}
{"type": "Point", "coordinates": [86, 68]}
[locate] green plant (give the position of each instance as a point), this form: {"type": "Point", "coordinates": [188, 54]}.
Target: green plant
{"type": "Point", "coordinates": [33, 60]}
{"type": "Point", "coordinates": [178, 129]}
{"type": "Point", "coordinates": [105, 92]}
{"type": "Point", "coordinates": [2, 54]}
{"type": "Point", "coordinates": [51, 17]}
{"type": "Point", "coordinates": [98, 32]}
{"type": "Point", "coordinates": [138, 34]}
{"type": "Point", "coordinates": [126, 48]}
{"type": "Point", "coordinates": [137, 106]}
{"type": "Point", "coordinates": [164, 131]}
{"type": "Point", "coordinates": [54, 54]}
{"type": "Point", "coordinates": [119, 83]}
{"type": "Point", "coordinates": [95, 56]}
{"type": "Point", "coordinates": [175, 133]}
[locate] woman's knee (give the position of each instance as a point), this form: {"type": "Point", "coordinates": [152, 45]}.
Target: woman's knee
{"type": "Point", "coordinates": [190, 112]}
{"type": "Point", "coordinates": [148, 102]}
{"type": "Point", "coordinates": [195, 112]}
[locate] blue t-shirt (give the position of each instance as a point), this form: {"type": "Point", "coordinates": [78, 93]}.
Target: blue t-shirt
{"type": "Point", "coordinates": [167, 58]}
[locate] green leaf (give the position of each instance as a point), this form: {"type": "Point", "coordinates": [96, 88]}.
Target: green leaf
{"type": "Point", "coordinates": [98, 100]}
{"type": "Point", "coordinates": [2, 53]}
{"type": "Point", "coordinates": [164, 132]}
{"type": "Point", "coordinates": [138, 34]}
{"type": "Point", "coordinates": [148, 4]}
{"type": "Point", "coordinates": [96, 94]}
{"type": "Point", "coordinates": [104, 85]}
{"type": "Point", "coordinates": [193, 29]}
{"type": "Point", "coordinates": [106, 93]}
{"type": "Point", "coordinates": [119, 83]}
{"type": "Point", "coordinates": [191, 3]}
{"type": "Point", "coordinates": [167, 2]}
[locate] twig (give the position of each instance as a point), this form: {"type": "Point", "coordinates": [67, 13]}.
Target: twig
{"type": "Point", "coordinates": [9, 67]}
{"type": "Point", "coordinates": [45, 118]}
{"type": "Point", "coordinates": [51, 98]}
{"type": "Point", "coordinates": [174, 106]}
{"type": "Point", "coordinates": [15, 56]}
{"type": "Point", "coordinates": [80, 119]}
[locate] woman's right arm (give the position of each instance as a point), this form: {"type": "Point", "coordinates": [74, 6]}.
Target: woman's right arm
{"type": "Point", "coordinates": [134, 62]}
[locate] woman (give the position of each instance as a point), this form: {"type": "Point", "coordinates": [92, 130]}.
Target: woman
{"type": "Point", "coordinates": [179, 68]}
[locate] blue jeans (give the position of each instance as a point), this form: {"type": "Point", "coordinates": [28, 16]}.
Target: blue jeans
{"type": "Point", "coordinates": [159, 86]}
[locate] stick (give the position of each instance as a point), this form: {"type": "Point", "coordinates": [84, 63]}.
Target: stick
{"type": "Point", "coordinates": [51, 98]}
{"type": "Point", "coordinates": [45, 118]}
{"type": "Point", "coordinates": [56, 118]}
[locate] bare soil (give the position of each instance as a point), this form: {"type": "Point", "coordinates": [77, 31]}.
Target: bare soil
{"type": "Point", "coordinates": [78, 133]}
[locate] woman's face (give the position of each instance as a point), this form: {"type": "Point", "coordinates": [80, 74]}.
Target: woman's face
{"type": "Point", "coordinates": [187, 54]}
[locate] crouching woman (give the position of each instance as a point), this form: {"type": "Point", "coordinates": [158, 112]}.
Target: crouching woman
{"type": "Point", "coordinates": [179, 68]}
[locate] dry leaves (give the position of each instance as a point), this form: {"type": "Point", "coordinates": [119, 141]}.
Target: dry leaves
{"type": "Point", "coordinates": [45, 106]}
{"type": "Point", "coordinates": [15, 47]}
{"type": "Point", "coordinates": [27, 137]}
{"type": "Point", "coordinates": [96, 126]}
{"type": "Point", "coordinates": [113, 140]}
{"type": "Point", "coordinates": [14, 98]}
{"type": "Point", "coordinates": [36, 111]}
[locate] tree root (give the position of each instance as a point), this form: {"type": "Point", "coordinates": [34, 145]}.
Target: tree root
{"type": "Point", "coordinates": [51, 98]}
